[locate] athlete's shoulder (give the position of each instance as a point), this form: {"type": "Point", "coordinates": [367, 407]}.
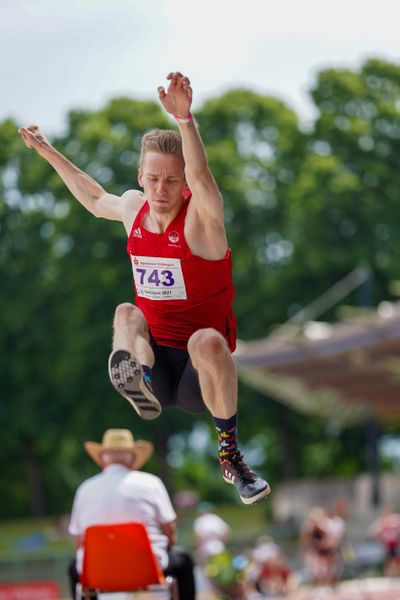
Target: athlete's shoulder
{"type": "Point", "coordinates": [132, 201]}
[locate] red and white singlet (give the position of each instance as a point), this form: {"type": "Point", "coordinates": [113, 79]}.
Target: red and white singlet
{"type": "Point", "coordinates": [178, 292]}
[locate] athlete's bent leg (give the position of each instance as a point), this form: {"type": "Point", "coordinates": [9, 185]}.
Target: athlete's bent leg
{"type": "Point", "coordinates": [213, 361]}
{"type": "Point", "coordinates": [131, 360]}
{"type": "Point", "coordinates": [132, 333]}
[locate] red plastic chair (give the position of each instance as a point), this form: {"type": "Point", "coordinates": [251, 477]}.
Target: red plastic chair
{"type": "Point", "coordinates": [119, 558]}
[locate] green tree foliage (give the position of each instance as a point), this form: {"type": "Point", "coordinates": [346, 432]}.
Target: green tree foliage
{"type": "Point", "coordinates": [302, 210]}
{"type": "Point", "coordinates": [344, 205]}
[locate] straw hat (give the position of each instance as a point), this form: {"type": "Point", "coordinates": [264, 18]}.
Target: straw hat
{"type": "Point", "coordinates": [120, 439]}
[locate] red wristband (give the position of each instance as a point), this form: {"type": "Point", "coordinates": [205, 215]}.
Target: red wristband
{"type": "Point", "coordinates": [188, 119]}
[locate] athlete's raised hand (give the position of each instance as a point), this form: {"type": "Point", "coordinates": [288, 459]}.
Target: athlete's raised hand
{"type": "Point", "coordinates": [177, 100]}
{"type": "Point", "coordinates": [34, 138]}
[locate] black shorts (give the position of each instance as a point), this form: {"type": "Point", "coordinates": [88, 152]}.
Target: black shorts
{"type": "Point", "coordinates": [175, 381]}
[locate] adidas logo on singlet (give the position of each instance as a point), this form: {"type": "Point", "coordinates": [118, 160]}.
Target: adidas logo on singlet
{"type": "Point", "coordinates": [137, 233]}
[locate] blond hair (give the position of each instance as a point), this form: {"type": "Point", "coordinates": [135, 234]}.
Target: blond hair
{"type": "Point", "coordinates": [163, 141]}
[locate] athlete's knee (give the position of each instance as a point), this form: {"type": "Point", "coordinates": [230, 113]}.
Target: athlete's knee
{"type": "Point", "coordinates": [208, 344]}
{"type": "Point", "coordinates": [126, 313]}
{"type": "Point", "coordinates": [123, 311]}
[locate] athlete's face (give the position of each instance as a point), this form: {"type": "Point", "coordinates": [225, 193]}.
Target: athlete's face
{"type": "Point", "coordinates": [162, 178]}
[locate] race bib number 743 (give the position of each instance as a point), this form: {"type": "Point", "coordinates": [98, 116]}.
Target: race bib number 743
{"type": "Point", "coordinates": [158, 278]}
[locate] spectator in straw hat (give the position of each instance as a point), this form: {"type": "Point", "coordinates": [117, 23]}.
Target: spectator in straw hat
{"type": "Point", "coordinates": [122, 493]}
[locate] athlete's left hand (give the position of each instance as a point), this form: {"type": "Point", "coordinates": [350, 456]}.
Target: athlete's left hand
{"type": "Point", "coordinates": [177, 100]}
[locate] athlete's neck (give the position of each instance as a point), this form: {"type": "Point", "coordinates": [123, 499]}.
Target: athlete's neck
{"type": "Point", "coordinates": [158, 221]}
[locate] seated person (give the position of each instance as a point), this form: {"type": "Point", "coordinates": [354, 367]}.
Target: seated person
{"type": "Point", "coordinates": [120, 494]}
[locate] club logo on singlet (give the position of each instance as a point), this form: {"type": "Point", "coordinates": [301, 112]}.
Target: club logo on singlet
{"type": "Point", "coordinates": [173, 237]}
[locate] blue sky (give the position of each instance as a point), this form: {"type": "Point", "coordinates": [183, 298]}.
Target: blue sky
{"type": "Point", "coordinates": [56, 55]}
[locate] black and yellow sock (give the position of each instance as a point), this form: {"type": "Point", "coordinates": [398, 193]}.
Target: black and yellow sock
{"type": "Point", "coordinates": [227, 437]}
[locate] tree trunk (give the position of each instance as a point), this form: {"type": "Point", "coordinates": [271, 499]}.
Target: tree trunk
{"type": "Point", "coordinates": [162, 435]}
{"type": "Point", "coordinates": [290, 467]}
{"type": "Point", "coordinates": [34, 478]}
{"type": "Point", "coordinates": [372, 432]}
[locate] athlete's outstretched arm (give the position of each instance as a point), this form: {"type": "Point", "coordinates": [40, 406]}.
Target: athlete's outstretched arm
{"type": "Point", "coordinates": [85, 189]}
{"type": "Point", "coordinates": [177, 100]}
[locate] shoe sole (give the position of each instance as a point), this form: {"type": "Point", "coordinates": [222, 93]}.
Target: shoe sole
{"type": "Point", "coordinates": [126, 375]}
{"type": "Point", "coordinates": [253, 499]}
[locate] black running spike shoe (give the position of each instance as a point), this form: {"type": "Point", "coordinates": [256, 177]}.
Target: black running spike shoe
{"type": "Point", "coordinates": [251, 488]}
{"type": "Point", "coordinates": [127, 377]}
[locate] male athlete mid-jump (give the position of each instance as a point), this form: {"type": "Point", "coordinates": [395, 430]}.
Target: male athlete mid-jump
{"type": "Point", "coordinates": [173, 348]}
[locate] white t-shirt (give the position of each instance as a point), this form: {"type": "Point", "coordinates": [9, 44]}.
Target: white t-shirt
{"type": "Point", "coordinates": [119, 495]}
{"type": "Point", "coordinates": [211, 532]}
{"type": "Point", "coordinates": [337, 528]}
